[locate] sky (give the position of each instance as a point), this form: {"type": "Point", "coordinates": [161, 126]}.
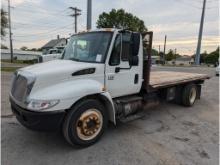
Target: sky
{"type": "Point", "coordinates": [35, 22]}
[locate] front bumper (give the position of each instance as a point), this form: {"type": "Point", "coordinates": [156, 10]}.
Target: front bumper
{"type": "Point", "coordinates": [40, 121]}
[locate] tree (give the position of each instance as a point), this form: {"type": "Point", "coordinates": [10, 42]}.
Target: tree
{"type": "Point", "coordinates": [122, 20]}
{"type": "Point", "coordinates": [24, 48]}
{"type": "Point", "coordinates": [203, 56]}
{"type": "Point", "coordinates": [39, 49]}
{"type": "Point", "coordinates": [154, 52]}
{"type": "Point", "coordinates": [213, 57]}
{"type": "Point", "coordinates": [33, 49]}
{"type": "Point", "coordinates": [3, 46]}
{"type": "Point", "coordinates": [4, 23]}
{"type": "Point", "coordinates": [170, 55]}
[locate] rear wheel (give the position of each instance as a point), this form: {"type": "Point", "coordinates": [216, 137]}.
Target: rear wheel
{"type": "Point", "coordinates": [189, 95]}
{"type": "Point", "coordinates": [85, 123]}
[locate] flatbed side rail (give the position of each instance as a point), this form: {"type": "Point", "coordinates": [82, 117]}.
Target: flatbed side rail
{"type": "Point", "coordinates": [164, 79]}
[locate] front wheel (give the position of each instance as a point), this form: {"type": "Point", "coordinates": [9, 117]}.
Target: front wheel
{"type": "Point", "coordinates": [85, 123]}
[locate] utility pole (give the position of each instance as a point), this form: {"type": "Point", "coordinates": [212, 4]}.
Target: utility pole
{"type": "Point", "coordinates": [160, 55]}
{"type": "Point", "coordinates": [200, 34]}
{"type": "Point", "coordinates": [10, 34]}
{"type": "Point", "coordinates": [164, 50]}
{"type": "Point", "coordinates": [75, 15]}
{"type": "Point", "coordinates": [89, 14]}
{"type": "Point", "coordinates": [175, 54]}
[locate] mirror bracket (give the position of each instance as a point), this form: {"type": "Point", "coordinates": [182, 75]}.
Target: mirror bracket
{"type": "Point", "coordinates": [117, 69]}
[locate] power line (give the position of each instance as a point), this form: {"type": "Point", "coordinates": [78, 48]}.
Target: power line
{"type": "Point", "coordinates": [29, 4]}
{"type": "Point", "coordinates": [32, 26]}
{"type": "Point", "coordinates": [36, 24]}
{"type": "Point", "coordinates": [41, 12]}
{"type": "Point", "coordinates": [46, 32]}
{"type": "Point", "coordinates": [198, 2]}
{"type": "Point", "coordinates": [44, 38]}
{"type": "Point", "coordinates": [37, 37]}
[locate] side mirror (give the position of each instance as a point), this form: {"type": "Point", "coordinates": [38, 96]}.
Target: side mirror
{"type": "Point", "coordinates": [134, 61]}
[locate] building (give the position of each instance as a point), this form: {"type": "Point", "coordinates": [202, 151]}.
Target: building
{"type": "Point", "coordinates": [52, 44]}
{"type": "Point", "coordinates": [183, 60]}
{"type": "Point", "coordinates": [20, 55]}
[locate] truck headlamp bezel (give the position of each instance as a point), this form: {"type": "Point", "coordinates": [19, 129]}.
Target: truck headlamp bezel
{"type": "Point", "coordinates": [38, 105]}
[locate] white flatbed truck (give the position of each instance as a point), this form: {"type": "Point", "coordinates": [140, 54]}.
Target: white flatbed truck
{"type": "Point", "coordinates": [104, 75]}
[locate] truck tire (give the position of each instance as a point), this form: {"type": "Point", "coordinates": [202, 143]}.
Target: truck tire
{"type": "Point", "coordinates": [189, 95]}
{"type": "Point", "coordinates": [85, 123]}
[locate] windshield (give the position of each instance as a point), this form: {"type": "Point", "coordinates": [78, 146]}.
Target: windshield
{"type": "Point", "coordinates": [88, 47]}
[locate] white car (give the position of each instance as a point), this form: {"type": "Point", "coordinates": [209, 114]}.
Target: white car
{"type": "Point", "coordinates": [53, 54]}
{"type": "Point", "coordinates": [217, 71]}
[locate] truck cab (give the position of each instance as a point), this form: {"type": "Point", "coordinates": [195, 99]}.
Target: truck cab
{"type": "Point", "coordinates": [104, 75]}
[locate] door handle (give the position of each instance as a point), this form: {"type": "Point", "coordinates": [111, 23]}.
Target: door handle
{"type": "Point", "coordinates": [117, 69]}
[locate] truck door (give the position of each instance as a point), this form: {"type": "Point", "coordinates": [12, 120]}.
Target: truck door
{"type": "Point", "coordinates": [122, 78]}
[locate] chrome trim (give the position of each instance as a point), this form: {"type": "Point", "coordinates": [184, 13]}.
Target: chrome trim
{"type": "Point", "coordinates": [27, 81]}
{"type": "Point", "coordinates": [20, 104]}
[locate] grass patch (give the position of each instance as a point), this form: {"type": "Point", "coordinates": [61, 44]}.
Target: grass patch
{"type": "Point", "coordinates": [33, 61]}
{"type": "Point", "coordinates": [14, 61]}
{"type": "Point", "coordinates": [9, 69]}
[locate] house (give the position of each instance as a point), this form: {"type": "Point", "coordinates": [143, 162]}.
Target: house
{"type": "Point", "coordinates": [183, 60]}
{"type": "Point", "coordinates": [59, 42]}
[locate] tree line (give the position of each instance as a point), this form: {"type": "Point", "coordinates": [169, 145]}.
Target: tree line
{"type": "Point", "coordinates": [209, 58]}
{"type": "Point", "coordinates": [123, 20]}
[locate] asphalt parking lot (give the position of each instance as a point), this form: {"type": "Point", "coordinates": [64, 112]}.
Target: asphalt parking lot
{"type": "Point", "coordinates": [168, 135]}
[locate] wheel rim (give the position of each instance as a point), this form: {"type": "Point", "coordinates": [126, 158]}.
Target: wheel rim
{"type": "Point", "coordinates": [89, 124]}
{"type": "Point", "coordinates": [192, 95]}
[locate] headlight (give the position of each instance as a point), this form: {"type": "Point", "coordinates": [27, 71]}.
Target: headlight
{"type": "Point", "coordinates": [41, 104]}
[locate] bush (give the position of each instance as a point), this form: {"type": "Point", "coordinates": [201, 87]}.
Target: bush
{"type": "Point", "coordinates": [212, 58]}
{"type": "Point", "coordinates": [34, 61]}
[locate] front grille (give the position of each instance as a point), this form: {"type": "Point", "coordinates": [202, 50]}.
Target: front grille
{"type": "Point", "coordinates": [19, 88]}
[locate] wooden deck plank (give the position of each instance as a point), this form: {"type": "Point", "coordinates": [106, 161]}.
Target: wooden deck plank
{"type": "Point", "coordinates": [160, 79]}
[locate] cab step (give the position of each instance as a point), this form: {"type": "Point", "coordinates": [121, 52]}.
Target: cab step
{"type": "Point", "coordinates": [128, 99]}
{"type": "Point", "coordinates": [132, 117]}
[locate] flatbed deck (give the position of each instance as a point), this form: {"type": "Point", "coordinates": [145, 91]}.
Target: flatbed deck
{"type": "Point", "coordinates": [162, 79]}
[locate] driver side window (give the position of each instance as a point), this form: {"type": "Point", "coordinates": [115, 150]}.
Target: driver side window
{"type": "Point", "coordinates": [116, 52]}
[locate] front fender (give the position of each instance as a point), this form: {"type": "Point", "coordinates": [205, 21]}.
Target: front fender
{"type": "Point", "coordinates": [68, 92]}
{"type": "Point", "coordinates": [106, 97]}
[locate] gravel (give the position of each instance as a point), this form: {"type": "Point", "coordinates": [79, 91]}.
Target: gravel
{"type": "Point", "coordinates": [168, 135]}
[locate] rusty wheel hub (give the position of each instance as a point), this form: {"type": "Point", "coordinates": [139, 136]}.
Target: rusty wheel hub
{"type": "Point", "coordinates": [89, 124]}
{"type": "Point", "coordinates": [192, 95]}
